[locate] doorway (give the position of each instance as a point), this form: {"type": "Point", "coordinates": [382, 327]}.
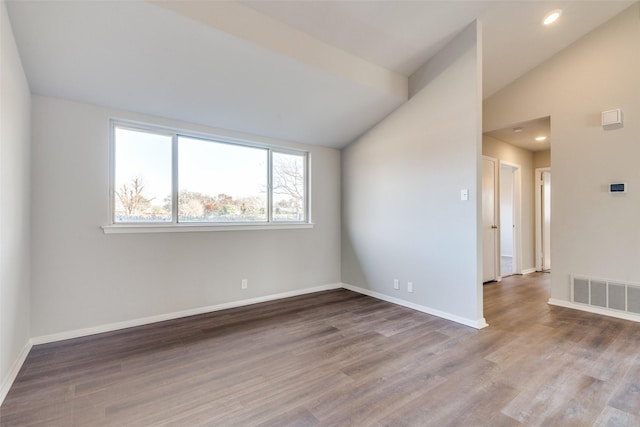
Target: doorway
{"type": "Point", "coordinates": [543, 219]}
{"type": "Point", "coordinates": [501, 204]}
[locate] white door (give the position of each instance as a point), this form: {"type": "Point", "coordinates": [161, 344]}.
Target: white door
{"type": "Point", "coordinates": [510, 202]}
{"type": "Point", "coordinates": [507, 220]}
{"type": "Point", "coordinates": [546, 220]}
{"type": "Point", "coordinates": [489, 228]}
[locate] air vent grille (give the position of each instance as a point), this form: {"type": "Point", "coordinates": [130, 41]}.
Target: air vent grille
{"type": "Point", "coordinates": [608, 294]}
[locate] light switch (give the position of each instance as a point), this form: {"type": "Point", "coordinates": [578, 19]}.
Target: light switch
{"type": "Point", "coordinates": [464, 194]}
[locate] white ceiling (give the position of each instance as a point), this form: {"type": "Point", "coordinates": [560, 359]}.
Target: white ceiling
{"type": "Point", "coordinates": [317, 72]}
{"type": "Point", "coordinates": [524, 134]}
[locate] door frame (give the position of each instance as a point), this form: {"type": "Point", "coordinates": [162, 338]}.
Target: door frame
{"type": "Point", "coordinates": [539, 219]}
{"type": "Point", "coordinates": [517, 216]}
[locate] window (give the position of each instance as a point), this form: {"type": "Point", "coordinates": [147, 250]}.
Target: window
{"type": "Point", "coordinates": [220, 182]}
{"type": "Point", "coordinates": [288, 172]}
{"type": "Point", "coordinates": [165, 177]}
{"type": "Point", "coordinates": [142, 184]}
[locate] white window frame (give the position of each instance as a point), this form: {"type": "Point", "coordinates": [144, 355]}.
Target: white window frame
{"type": "Point", "coordinates": [176, 226]}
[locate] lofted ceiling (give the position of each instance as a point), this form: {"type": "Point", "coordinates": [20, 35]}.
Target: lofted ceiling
{"type": "Point", "coordinates": [316, 72]}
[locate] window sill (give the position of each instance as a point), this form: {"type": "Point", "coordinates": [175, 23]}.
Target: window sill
{"type": "Point", "coordinates": [190, 228]}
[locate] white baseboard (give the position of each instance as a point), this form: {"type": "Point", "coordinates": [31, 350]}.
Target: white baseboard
{"type": "Point", "coordinates": [176, 315]}
{"type": "Point", "coordinates": [595, 310]}
{"type": "Point", "coordinates": [477, 324]}
{"type": "Point", "coordinates": [528, 270]}
{"type": "Point", "coordinates": [7, 381]}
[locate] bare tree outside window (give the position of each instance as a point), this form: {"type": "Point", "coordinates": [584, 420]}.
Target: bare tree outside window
{"type": "Point", "coordinates": [132, 199]}
{"type": "Point", "coordinates": [288, 187]}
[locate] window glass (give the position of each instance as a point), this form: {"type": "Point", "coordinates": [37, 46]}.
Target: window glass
{"type": "Point", "coordinates": [221, 182]}
{"type": "Point", "coordinates": [142, 181]}
{"type": "Point", "coordinates": [289, 187]}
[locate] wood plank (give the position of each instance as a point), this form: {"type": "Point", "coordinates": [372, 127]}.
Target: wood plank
{"type": "Point", "coordinates": [341, 358]}
{"type": "Point", "coordinates": [611, 417]}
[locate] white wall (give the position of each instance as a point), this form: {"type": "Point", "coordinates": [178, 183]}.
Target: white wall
{"type": "Point", "coordinates": [402, 214]}
{"type": "Point", "coordinates": [592, 232]}
{"type": "Point", "coordinates": [83, 278]}
{"type": "Point", "coordinates": [511, 154]}
{"type": "Point", "coordinates": [15, 112]}
{"type": "Point", "coordinates": [541, 159]}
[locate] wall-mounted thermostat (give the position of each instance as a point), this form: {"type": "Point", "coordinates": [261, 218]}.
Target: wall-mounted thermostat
{"type": "Point", "coordinates": [618, 187]}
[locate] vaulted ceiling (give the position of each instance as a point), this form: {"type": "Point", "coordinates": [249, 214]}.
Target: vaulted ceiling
{"type": "Point", "coordinates": [316, 72]}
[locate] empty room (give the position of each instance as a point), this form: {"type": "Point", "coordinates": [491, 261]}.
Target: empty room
{"type": "Point", "coordinates": [332, 213]}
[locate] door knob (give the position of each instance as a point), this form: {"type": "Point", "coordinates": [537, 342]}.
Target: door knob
{"type": "Point", "coordinates": [494, 226]}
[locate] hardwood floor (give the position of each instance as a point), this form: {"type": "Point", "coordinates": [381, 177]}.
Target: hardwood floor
{"type": "Point", "coordinates": [338, 358]}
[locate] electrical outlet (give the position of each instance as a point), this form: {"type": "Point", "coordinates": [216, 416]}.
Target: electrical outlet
{"type": "Point", "coordinates": [244, 283]}
{"type": "Point", "coordinates": [396, 285]}
{"type": "Point", "coordinates": [410, 287]}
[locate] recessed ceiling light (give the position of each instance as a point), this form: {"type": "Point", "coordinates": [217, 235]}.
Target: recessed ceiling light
{"type": "Point", "coordinates": [540, 138]}
{"type": "Point", "coordinates": [551, 17]}
{"type": "Point", "coordinates": [518, 129]}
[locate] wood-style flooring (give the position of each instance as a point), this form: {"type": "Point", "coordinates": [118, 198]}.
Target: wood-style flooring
{"type": "Point", "coordinates": [338, 358]}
